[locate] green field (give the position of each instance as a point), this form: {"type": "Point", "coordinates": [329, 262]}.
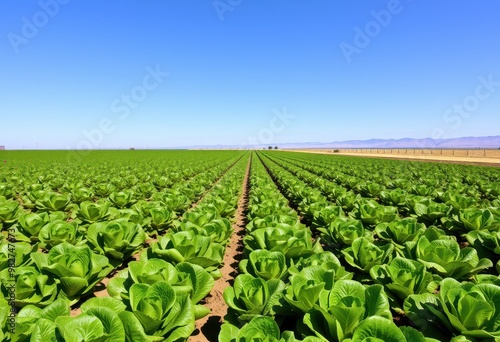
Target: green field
{"type": "Point", "coordinates": [128, 245]}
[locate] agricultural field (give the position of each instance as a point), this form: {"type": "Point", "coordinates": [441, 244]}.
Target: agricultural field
{"type": "Point", "coordinates": [246, 246]}
{"type": "Point", "coordinates": [483, 157]}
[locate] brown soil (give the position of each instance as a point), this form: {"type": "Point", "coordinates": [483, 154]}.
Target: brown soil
{"type": "Point", "coordinates": [484, 161]}
{"type": "Point", "coordinates": [208, 328]}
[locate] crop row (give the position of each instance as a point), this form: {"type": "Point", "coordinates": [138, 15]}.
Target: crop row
{"type": "Point", "coordinates": [430, 278]}
{"type": "Point", "coordinates": [61, 246]}
{"type": "Point", "coordinates": [335, 248]}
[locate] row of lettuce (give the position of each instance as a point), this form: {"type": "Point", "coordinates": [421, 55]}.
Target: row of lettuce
{"type": "Point", "coordinates": [393, 265]}
{"type": "Point", "coordinates": [386, 248]}
{"type": "Point", "coordinates": [290, 289]}
{"type": "Point", "coordinates": [63, 252]}
{"type": "Point", "coordinates": [473, 218]}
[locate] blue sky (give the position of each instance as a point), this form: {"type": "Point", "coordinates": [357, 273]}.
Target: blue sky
{"type": "Point", "coordinates": [111, 74]}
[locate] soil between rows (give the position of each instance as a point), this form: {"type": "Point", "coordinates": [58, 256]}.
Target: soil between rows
{"type": "Point", "coordinates": [208, 328]}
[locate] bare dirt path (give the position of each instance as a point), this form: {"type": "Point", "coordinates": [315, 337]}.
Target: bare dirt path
{"type": "Point", "coordinates": [484, 161]}
{"type": "Point", "coordinates": [208, 328]}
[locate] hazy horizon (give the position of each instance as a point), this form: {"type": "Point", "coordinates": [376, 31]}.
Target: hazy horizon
{"type": "Point", "coordinates": [489, 142]}
{"type": "Point", "coordinates": [95, 75]}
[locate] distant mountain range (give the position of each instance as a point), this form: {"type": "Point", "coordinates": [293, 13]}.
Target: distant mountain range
{"type": "Point", "coordinates": [455, 143]}
{"type": "Point", "coordinates": [465, 142]}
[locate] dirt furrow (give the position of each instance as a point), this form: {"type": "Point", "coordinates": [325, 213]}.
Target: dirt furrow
{"type": "Point", "coordinates": [195, 204]}
{"type": "Point", "coordinates": [208, 328]}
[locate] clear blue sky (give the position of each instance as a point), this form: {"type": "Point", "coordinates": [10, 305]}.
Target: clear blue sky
{"type": "Point", "coordinates": [66, 66]}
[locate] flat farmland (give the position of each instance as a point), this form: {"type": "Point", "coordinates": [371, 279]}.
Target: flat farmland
{"type": "Point", "coordinates": [464, 156]}
{"type": "Point", "coordinates": [246, 246]}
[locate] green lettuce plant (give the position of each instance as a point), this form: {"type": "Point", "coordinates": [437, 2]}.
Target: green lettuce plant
{"type": "Point", "coordinates": [326, 215]}
{"type": "Point", "coordinates": [308, 285]}
{"type": "Point", "coordinates": [7, 191]}
{"type": "Point", "coordinates": [58, 231]}
{"type": "Point", "coordinates": [178, 202]}
{"type": "Point", "coordinates": [122, 199]}
{"type": "Point", "coordinates": [348, 200]}
{"type": "Point", "coordinates": [161, 218]}
{"type": "Point", "coordinates": [338, 314]}
{"type": "Point", "coordinates": [9, 212]}
{"type": "Point", "coordinates": [38, 324]}
{"type": "Point", "coordinates": [478, 219]}
{"type": "Point", "coordinates": [218, 230]}
{"type": "Point", "coordinates": [31, 287]}
{"type": "Point", "coordinates": [21, 252]}
{"type": "Point", "coordinates": [266, 209]}
{"type": "Point", "coordinates": [460, 309]}
{"type": "Point", "coordinates": [400, 231]}
{"type": "Point", "coordinates": [364, 254]}
{"type": "Point", "coordinates": [259, 328]}
{"type": "Point", "coordinates": [53, 201]}
{"type": "Point", "coordinates": [81, 194]}
{"type": "Point", "coordinates": [5, 324]}
{"type": "Point", "coordinates": [103, 319]}
{"type": "Point", "coordinates": [145, 189]}
{"type": "Point", "coordinates": [92, 212]}
{"type": "Point", "coordinates": [198, 218]}
{"type": "Point", "coordinates": [374, 329]}
{"type": "Point", "coordinates": [76, 267]}
{"type": "Point", "coordinates": [396, 197]}
{"type": "Point", "coordinates": [487, 243]}
{"type": "Point", "coordinates": [292, 242]}
{"type": "Point", "coordinates": [130, 215]}
{"type": "Point", "coordinates": [272, 220]}
{"type": "Point", "coordinates": [186, 246]}
{"type": "Point", "coordinates": [371, 213]}
{"type": "Point", "coordinates": [185, 278]}
{"type": "Point", "coordinates": [371, 190]}
{"type": "Point", "coordinates": [161, 311]}
{"type": "Point", "coordinates": [342, 232]}
{"type": "Point", "coordinates": [117, 239]}
{"type": "Point", "coordinates": [428, 211]}
{"type": "Point", "coordinates": [223, 207]}
{"type": "Point", "coordinates": [29, 225]}
{"type": "Point", "coordinates": [265, 264]}
{"type": "Point", "coordinates": [403, 277]}
{"type": "Point", "coordinates": [445, 257]}
{"type": "Point", "coordinates": [326, 260]}
{"type": "Point", "coordinates": [250, 296]}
